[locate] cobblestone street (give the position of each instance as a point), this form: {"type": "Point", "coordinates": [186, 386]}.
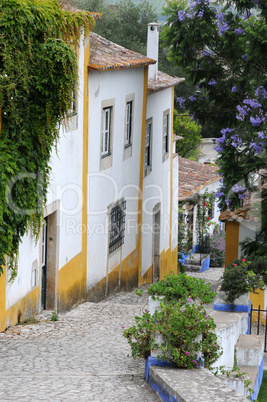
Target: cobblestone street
{"type": "Point", "coordinates": [81, 357]}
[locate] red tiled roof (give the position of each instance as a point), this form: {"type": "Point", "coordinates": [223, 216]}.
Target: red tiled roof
{"type": "Point", "coordinates": [193, 176]}
{"type": "Point", "coordinates": [106, 55]}
{"type": "Point", "coordinates": [164, 81]}
{"type": "Point", "coordinates": [246, 213]}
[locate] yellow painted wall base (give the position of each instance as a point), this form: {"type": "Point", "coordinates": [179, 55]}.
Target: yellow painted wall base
{"type": "Point", "coordinates": [175, 260]}
{"type": "Point", "coordinates": [257, 299]}
{"type": "Point", "coordinates": [25, 308]}
{"type": "Point", "coordinates": [72, 283]}
{"type": "Point", "coordinates": [165, 263]}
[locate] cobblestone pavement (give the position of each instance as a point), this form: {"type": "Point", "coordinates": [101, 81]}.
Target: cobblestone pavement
{"type": "Point", "coordinates": [81, 357]}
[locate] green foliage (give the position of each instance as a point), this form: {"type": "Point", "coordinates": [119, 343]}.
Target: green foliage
{"type": "Point", "coordinates": [203, 221]}
{"type": "Point", "coordinates": [240, 277]}
{"type": "Point", "coordinates": [182, 288]}
{"type": "Point", "coordinates": [54, 316]}
{"type": "Point", "coordinates": [185, 126]}
{"type": "Point", "coordinates": [179, 325]}
{"type": "Point", "coordinates": [263, 388]}
{"type": "Point", "coordinates": [38, 73]}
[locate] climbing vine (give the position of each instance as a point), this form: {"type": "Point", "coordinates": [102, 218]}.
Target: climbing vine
{"type": "Point", "coordinates": [38, 73]}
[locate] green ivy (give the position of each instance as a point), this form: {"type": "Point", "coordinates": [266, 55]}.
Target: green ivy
{"type": "Point", "coordinates": [38, 73]}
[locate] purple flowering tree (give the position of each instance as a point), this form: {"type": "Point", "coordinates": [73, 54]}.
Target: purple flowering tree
{"type": "Point", "coordinates": [224, 52]}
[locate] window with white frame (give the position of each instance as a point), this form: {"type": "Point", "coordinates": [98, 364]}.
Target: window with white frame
{"type": "Point", "coordinates": [148, 147]}
{"type": "Point", "coordinates": [129, 117]}
{"type": "Point", "coordinates": [106, 131]}
{"type": "Point", "coordinates": [117, 225]}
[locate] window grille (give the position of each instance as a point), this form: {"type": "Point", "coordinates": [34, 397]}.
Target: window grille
{"type": "Point", "coordinates": [117, 226]}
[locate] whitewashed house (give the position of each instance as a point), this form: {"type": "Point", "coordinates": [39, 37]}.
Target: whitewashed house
{"type": "Point", "coordinates": [111, 214]}
{"type": "Point", "coordinates": [196, 179]}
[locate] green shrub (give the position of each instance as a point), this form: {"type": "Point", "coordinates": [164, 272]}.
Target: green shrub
{"type": "Point", "coordinates": [239, 278]}
{"type": "Point", "coordinates": [179, 326]}
{"type": "Point", "coordinates": [181, 287]}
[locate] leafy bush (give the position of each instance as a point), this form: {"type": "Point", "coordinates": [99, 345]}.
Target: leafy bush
{"type": "Point", "coordinates": [239, 278]}
{"type": "Point", "coordinates": [181, 287]}
{"type": "Point", "coordinates": [179, 325]}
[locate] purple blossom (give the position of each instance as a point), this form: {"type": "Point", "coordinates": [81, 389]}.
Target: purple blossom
{"type": "Point", "coordinates": [187, 353]}
{"type": "Point", "coordinates": [181, 102]}
{"type": "Point", "coordinates": [220, 16]}
{"type": "Point", "coordinates": [181, 15]}
{"type": "Point", "coordinates": [123, 326]}
{"type": "Point", "coordinates": [242, 112]}
{"type": "Point", "coordinates": [207, 317]}
{"type": "Point", "coordinates": [261, 135]}
{"type": "Point", "coordinates": [245, 57]}
{"type": "Point", "coordinates": [218, 194]}
{"type": "Point", "coordinates": [256, 2]}
{"type": "Point", "coordinates": [200, 14]}
{"type": "Point", "coordinates": [256, 121]}
{"type": "Point", "coordinates": [257, 147]}
{"type": "Point", "coordinates": [221, 140]}
{"type": "Point", "coordinates": [252, 103]}
{"type": "Point", "coordinates": [238, 189]}
{"type": "Point", "coordinates": [189, 299]}
{"type": "Point", "coordinates": [194, 361]}
{"type": "Point", "coordinates": [224, 131]}
{"type": "Point", "coordinates": [236, 141]}
{"type": "Point", "coordinates": [261, 92]}
{"type": "Point", "coordinates": [234, 88]}
{"type": "Point", "coordinates": [223, 27]}
{"type": "Point", "coordinates": [239, 31]}
{"type": "Point", "coordinates": [227, 201]}
{"type": "Point", "coordinates": [216, 346]}
{"type": "Point", "coordinates": [218, 148]}
{"type": "Point", "coordinates": [212, 82]}
{"type": "Point", "coordinates": [192, 98]}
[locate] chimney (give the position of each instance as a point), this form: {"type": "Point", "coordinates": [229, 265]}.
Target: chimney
{"type": "Point", "coordinates": [153, 49]}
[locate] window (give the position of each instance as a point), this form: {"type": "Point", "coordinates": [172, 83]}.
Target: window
{"type": "Point", "coordinates": [166, 134]}
{"type": "Point", "coordinates": [106, 127]}
{"type": "Point", "coordinates": [211, 209]}
{"type": "Point", "coordinates": [148, 147]}
{"type": "Point", "coordinates": [129, 113]}
{"type": "Point", "coordinates": [117, 226]}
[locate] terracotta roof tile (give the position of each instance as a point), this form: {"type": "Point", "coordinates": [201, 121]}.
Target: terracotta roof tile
{"type": "Point", "coordinates": [193, 176]}
{"type": "Point", "coordinates": [246, 213]}
{"type": "Point", "coordinates": [106, 55]}
{"type": "Point", "coordinates": [164, 81]}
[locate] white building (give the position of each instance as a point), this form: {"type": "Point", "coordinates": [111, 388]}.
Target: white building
{"type": "Point", "coordinates": [111, 214]}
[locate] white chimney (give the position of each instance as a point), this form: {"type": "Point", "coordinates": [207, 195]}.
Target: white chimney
{"type": "Point", "coordinates": [153, 49]}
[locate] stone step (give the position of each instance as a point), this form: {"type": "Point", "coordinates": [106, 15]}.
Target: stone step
{"type": "Point", "coordinates": [173, 384]}
{"type": "Point", "coordinates": [249, 350]}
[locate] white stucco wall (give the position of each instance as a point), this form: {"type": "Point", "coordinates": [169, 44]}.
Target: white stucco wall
{"type": "Point", "coordinates": [121, 180]}
{"type": "Point", "coordinates": [156, 187]}
{"type": "Point", "coordinates": [64, 191]}
{"type": "Point", "coordinates": [247, 229]}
